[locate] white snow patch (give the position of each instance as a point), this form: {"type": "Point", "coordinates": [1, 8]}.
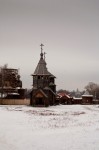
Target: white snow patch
{"type": "Point", "coordinates": [64, 127]}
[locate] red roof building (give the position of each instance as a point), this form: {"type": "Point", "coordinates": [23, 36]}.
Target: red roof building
{"type": "Point", "coordinates": [64, 98]}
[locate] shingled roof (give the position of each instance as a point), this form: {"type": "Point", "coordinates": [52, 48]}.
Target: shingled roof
{"type": "Point", "coordinates": [41, 68]}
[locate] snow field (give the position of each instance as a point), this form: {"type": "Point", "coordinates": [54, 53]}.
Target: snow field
{"type": "Point", "coordinates": [63, 127]}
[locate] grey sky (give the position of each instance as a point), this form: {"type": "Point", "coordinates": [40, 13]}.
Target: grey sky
{"type": "Point", "coordinates": [69, 29]}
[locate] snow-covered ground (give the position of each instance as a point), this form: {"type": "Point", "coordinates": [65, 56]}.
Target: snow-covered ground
{"type": "Point", "coordinates": [68, 127]}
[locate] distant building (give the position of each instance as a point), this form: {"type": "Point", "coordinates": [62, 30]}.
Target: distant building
{"type": "Point", "coordinates": [77, 99]}
{"type": "Point", "coordinates": [78, 93]}
{"type": "Point", "coordinates": [44, 88]}
{"type": "Point", "coordinates": [87, 98]}
{"type": "Point", "coordinates": [64, 98]}
{"type": "Point", "coordinates": [10, 83]}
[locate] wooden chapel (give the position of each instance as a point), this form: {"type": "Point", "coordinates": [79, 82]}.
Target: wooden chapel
{"type": "Point", "coordinates": [44, 88]}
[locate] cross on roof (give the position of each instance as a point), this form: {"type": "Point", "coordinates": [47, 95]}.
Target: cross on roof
{"type": "Point", "coordinates": [41, 47]}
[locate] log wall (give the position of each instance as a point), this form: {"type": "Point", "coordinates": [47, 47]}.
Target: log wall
{"type": "Point", "coordinates": [14, 101]}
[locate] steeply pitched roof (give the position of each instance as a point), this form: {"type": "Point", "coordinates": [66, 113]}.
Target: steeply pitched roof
{"type": "Point", "coordinates": [41, 68]}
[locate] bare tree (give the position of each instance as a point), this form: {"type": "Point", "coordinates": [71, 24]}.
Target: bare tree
{"type": "Point", "coordinates": [93, 89]}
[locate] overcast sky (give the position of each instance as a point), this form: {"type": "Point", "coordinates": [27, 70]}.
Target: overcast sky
{"type": "Point", "coordinates": [69, 29]}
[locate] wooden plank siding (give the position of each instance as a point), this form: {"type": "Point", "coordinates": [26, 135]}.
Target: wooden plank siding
{"type": "Point", "coordinates": [14, 101]}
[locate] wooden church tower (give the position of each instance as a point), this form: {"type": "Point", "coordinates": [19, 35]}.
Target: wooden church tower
{"type": "Point", "coordinates": [44, 88]}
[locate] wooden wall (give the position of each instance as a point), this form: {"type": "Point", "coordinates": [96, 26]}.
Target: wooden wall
{"type": "Point", "coordinates": [14, 101]}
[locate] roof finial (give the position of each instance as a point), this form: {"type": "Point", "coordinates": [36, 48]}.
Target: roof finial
{"type": "Point", "coordinates": [41, 50]}
{"type": "Point", "coordinates": [41, 47]}
{"type": "Point", "coordinates": [44, 55]}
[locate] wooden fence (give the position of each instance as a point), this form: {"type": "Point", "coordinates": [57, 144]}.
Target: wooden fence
{"type": "Point", "coordinates": [14, 101]}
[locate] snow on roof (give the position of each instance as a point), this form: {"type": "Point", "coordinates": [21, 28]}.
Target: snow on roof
{"type": "Point", "coordinates": [63, 94]}
{"type": "Point", "coordinates": [13, 94]}
{"type": "Point", "coordinates": [86, 94]}
{"type": "Point", "coordinates": [78, 98]}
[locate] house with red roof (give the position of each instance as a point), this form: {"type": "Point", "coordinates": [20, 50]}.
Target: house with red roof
{"type": "Point", "coordinates": [64, 98]}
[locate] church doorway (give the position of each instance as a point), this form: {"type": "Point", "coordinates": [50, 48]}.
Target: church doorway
{"type": "Point", "coordinates": [39, 101]}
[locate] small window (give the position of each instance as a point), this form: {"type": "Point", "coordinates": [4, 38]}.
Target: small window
{"type": "Point", "coordinates": [42, 77]}
{"type": "Point", "coordinates": [38, 77]}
